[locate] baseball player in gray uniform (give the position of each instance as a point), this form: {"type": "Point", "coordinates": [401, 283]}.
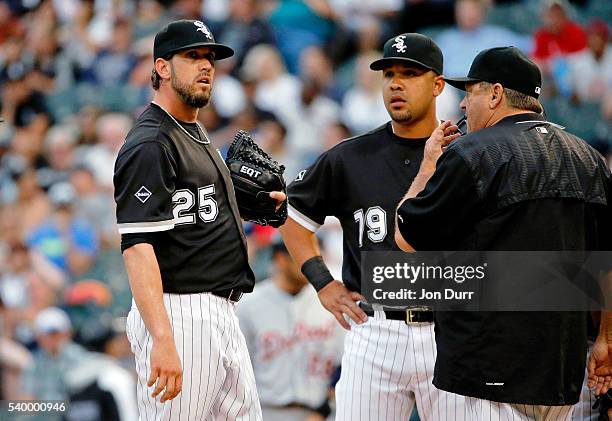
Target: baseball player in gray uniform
{"type": "Point", "coordinates": [295, 345]}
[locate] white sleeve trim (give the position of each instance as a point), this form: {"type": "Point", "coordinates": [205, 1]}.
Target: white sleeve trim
{"type": "Point", "coordinates": [303, 220]}
{"type": "Point", "coordinates": [138, 227]}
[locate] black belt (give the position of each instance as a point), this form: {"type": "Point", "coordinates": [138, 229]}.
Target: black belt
{"type": "Point", "coordinates": [230, 294]}
{"type": "Point", "coordinates": [410, 316]}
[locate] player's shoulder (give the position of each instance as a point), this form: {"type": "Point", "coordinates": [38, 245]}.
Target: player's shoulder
{"type": "Point", "coordinates": [148, 132]}
{"type": "Point", "coordinates": [360, 142]}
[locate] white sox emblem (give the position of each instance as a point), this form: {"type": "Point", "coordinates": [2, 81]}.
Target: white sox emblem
{"type": "Point", "coordinates": [399, 44]}
{"type": "Point", "coordinates": [202, 28]}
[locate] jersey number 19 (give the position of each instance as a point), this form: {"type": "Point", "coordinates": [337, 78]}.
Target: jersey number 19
{"type": "Point", "coordinates": [375, 218]}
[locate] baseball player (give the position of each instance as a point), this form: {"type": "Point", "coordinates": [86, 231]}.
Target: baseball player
{"type": "Point", "coordinates": [389, 356]}
{"type": "Point", "coordinates": [294, 343]}
{"type": "Point", "coordinates": [515, 182]}
{"type": "Point", "coordinates": [183, 244]}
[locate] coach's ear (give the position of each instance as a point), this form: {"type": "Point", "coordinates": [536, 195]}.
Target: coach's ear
{"type": "Point", "coordinates": [162, 67]}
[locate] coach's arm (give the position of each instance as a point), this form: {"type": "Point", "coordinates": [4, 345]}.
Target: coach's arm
{"type": "Point", "coordinates": [440, 138]}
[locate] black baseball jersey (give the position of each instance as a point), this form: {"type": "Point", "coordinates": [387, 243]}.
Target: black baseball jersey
{"type": "Point", "coordinates": [522, 184]}
{"type": "Point", "coordinates": [179, 188]}
{"type": "Point", "coordinates": [360, 182]}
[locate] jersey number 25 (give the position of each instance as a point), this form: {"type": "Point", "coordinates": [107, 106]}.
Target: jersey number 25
{"type": "Point", "coordinates": [184, 200]}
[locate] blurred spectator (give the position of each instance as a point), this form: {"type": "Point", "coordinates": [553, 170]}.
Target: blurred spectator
{"type": "Point", "coordinates": [294, 343]}
{"type": "Point", "coordinates": [14, 358]}
{"type": "Point", "coordinates": [603, 130]}
{"type": "Point", "coordinates": [333, 134]}
{"type": "Point", "coordinates": [51, 67]}
{"type": "Point", "coordinates": [316, 65]}
{"type": "Point", "coordinates": [418, 14]}
{"type": "Point", "coordinates": [112, 65]}
{"type": "Point", "coordinates": [67, 241]}
{"type": "Point", "coordinates": [228, 96]}
{"type": "Point", "coordinates": [186, 9]}
{"type": "Point", "coordinates": [276, 90]}
{"type": "Point", "coordinates": [244, 29]}
{"type": "Point", "coordinates": [272, 137]}
{"type": "Point", "coordinates": [10, 25]}
{"type": "Point", "coordinates": [355, 13]}
{"type": "Point", "coordinates": [86, 119]}
{"type": "Point", "coordinates": [23, 105]}
{"type": "Point", "coordinates": [56, 356]}
{"type": "Point", "coordinates": [299, 24]}
{"type": "Point", "coordinates": [30, 206]}
{"type": "Point", "coordinates": [558, 37]}
{"type": "Point", "coordinates": [111, 129]}
{"type": "Point", "coordinates": [84, 35]}
{"type": "Point", "coordinates": [59, 148]}
{"type": "Point", "coordinates": [363, 108]}
{"type": "Point", "coordinates": [150, 16]}
{"type": "Point", "coordinates": [94, 206]}
{"type": "Point", "coordinates": [305, 125]}
{"type": "Point", "coordinates": [590, 71]}
{"type": "Point", "coordinates": [28, 284]}
{"type": "Point", "coordinates": [99, 388]}
{"type": "Point", "coordinates": [471, 35]}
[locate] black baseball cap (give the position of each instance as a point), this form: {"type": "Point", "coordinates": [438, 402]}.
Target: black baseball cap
{"type": "Point", "coordinates": [505, 65]}
{"type": "Point", "coordinates": [411, 48]}
{"type": "Point", "coordinates": [182, 34]}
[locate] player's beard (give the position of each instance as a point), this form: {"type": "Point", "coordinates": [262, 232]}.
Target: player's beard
{"type": "Point", "coordinates": [188, 93]}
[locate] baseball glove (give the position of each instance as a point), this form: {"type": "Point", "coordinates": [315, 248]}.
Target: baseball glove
{"type": "Point", "coordinates": [255, 175]}
{"type": "Point", "coordinates": [604, 404]}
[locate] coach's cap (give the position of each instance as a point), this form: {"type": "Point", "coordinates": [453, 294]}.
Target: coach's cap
{"type": "Point", "coordinates": [182, 34]}
{"type": "Point", "coordinates": [411, 48]}
{"type": "Point", "coordinates": [505, 65]}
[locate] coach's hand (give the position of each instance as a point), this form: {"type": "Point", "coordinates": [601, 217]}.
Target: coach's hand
{"type": "Point", "coordinates": [338, 300]}
{"type": "Point", "coordinates": [165, 369]}
{"type": "Point", "coordinates": [444, 134]}
{"type": "Point", "coordinates": [600, 366]}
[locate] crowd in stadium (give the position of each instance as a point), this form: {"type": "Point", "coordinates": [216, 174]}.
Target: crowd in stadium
{"type": "Point", "coordinates": [74, 74]}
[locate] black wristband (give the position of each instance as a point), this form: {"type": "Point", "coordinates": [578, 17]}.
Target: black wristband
{"type": "Point", "coordinates": [316, 272]}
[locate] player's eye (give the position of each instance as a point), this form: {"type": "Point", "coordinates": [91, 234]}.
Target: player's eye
{"type": "Point", "coordinates": [388, 74]}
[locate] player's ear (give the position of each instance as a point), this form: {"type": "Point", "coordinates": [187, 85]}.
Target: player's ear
{"type": "Point", "coordinates": [162, 67]}
{"type": "Point", "coordinates": [438, 86]}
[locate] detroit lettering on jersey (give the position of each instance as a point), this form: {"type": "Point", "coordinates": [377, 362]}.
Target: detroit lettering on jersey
{"type": "Point", "coordinates": [294, 344]}
{"type": "Point", "coordinates": [178, 189]}
{"type": "Point", "coordinates": [273, 343]}
{"type": "Point", "coordinates": [360, 182]}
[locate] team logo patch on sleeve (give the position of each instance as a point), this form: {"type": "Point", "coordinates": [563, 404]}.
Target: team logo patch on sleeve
{"type": "Point", "coordinates": [143, 194]}
{"type": "Point", "coordinates": [300, 175]}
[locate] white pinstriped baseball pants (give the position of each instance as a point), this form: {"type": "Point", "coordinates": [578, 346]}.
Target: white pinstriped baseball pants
{"type": "Point", "coordinates": [483, 410]}
{"type": "Point", "coordinates": [387, 367]}
{"type": "Point", "coordinates": [218, 380]}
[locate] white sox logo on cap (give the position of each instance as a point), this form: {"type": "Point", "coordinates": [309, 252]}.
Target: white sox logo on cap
{"type": "Point", "coordinates": [399, 44]}
{"type": "Point", "coordinates": [202, 28]}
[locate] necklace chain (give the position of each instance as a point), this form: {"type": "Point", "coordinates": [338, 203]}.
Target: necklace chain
{"type": "Point", "coordinates": [205, 141]}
